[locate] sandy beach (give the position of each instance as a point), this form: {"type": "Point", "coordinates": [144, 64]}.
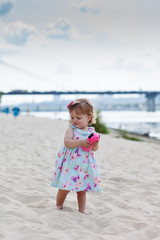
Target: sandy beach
{"type": "Point", "coordinates": [128, 208]}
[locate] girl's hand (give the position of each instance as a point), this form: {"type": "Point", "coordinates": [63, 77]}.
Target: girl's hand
{"type": "Point", "coordinates": [85, 143]}
{"type": "Point", "coordinates": [95, 146]}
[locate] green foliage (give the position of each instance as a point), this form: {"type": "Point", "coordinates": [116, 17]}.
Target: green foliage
{"type": "Point", "coordinates": [99, 126]}
{"type": "Point", "coordinates": [1, 96]}
{"type": "Point", "coordinates": [124, 134]}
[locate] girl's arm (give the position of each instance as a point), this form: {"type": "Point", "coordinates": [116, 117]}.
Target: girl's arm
{"type": "Point", "coordinates": [71, 143]}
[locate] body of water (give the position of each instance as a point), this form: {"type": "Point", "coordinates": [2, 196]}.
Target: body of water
{"type": "Point", "coordinates": [140, 122]}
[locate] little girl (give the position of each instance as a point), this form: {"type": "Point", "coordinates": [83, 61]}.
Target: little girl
{"type": "Point", "coordinates": [76, 169]}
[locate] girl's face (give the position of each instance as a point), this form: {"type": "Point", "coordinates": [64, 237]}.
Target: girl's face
{"type": "Point", "coordinates": [79, 120]}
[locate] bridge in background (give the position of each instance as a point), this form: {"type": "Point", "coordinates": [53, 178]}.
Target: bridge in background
{"type": "Point", "coordinates": [150, 95]}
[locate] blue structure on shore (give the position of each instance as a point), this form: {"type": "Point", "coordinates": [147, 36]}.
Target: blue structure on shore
{"type": "Point", "coordinates": [5, 110]}
{"type": "Point", "coordinates": [16, 111]}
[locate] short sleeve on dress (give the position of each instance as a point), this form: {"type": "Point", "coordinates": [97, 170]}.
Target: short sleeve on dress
{"type": "Point", "coordinates": [72, 126]}
{"type": "Point", "coordinates": [91, 129]}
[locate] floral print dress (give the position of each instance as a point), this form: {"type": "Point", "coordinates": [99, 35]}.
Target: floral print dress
{"type": "Point", "coordinates": [76, 169]}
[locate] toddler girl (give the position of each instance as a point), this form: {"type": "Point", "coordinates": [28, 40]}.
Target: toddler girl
{"type": "Point", "coordinates": [76, 169]}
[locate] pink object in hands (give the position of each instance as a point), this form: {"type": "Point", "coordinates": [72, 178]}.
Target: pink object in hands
{"type": "Point", "coordinates": [92, 138]}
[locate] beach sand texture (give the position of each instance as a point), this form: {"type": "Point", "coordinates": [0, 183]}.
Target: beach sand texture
{"type": "Point", "coordinates": [127, 208]}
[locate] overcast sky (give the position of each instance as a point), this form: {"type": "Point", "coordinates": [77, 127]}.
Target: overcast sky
{"type": "Point", "coordinates": [79, 45]}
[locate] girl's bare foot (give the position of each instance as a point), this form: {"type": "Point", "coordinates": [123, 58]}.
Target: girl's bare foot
{"type": "Point", "coordinates": [59, 207]}
{"type": "Point", "coordinates": [86, 213]}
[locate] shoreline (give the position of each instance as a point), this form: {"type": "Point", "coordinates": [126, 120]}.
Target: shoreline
{"type": "Point", "coordinates": [147, 129]}
{"type": "Point", "coordinates": [116, 133]}
{"type": "Point", "coordinates": [148, 126]}
{"type": "Point", "coordinates": [113, 131]}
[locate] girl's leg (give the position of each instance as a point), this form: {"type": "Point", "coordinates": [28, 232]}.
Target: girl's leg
{"type": "Point", "coordinates": [81, 197]}
{"type": "Point", "coordinates": [61, 196]}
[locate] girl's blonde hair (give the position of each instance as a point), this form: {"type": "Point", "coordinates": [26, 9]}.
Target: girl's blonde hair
{"type": "Point", "coordinates": [83, 106]}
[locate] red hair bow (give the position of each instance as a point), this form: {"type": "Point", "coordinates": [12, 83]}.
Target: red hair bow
{"type": "Point", "coordinates": [69, 104]}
